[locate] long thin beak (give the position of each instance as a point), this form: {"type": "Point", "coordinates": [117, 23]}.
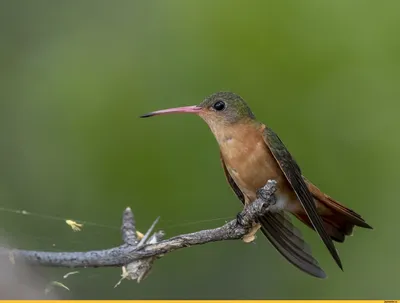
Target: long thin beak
{"type": "Point", "coordinates": [185, 109]}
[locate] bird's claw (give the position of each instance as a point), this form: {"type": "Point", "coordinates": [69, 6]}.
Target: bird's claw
{"type": "Point", "coordinates": [239, 219]}
{"type": "Point", "coordinates": [263, 195]}
{"type": "Point", "coordinates": [269, 200]}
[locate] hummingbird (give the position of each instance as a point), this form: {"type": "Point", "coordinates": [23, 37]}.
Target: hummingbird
{"type": "Point", "coordinates": [251, 154]}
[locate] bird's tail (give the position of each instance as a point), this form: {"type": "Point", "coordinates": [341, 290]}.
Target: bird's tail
{"type": "Point", "coordinates": [339, 221]}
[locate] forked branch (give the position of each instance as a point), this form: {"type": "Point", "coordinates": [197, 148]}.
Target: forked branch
{"type": "Point", "coordinates": [135, 255]}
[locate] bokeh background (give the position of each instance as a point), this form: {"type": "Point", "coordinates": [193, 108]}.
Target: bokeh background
{"type": "Point", "coordinates": [75, 76]}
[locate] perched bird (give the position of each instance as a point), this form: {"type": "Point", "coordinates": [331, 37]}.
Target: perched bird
{"type": "Point", "coordinates": [251, 154]}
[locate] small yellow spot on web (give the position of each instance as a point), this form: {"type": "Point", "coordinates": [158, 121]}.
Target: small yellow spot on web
{"type": "Point", "coordinates": [75, 226]}
{"type": "Point", "coordinates": [139, 235]}
{"type": "Point", "coordinates": [124, 275]}
{"type": "Point", "coordinates": [52, 284]}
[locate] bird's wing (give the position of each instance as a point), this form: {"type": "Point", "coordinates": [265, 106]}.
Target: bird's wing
{"type": "Point", "coordinates": [292, 173]}
{"type": "Point", "coordinates": [288, 240]}
{"type": "Point", "coordinates": [283, 235]}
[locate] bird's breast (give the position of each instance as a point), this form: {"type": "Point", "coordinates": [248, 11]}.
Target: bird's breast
{"type": "Point", "coordinates": [250, 163]}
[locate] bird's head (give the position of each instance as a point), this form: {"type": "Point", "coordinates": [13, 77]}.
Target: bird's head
{"type": "Point", "coordinates": [218, 110]}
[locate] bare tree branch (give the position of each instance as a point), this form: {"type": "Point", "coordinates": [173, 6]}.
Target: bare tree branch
{"type": "Point", "coordinates": [136, 256]}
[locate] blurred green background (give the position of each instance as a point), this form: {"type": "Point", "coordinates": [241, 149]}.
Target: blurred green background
{"type": "Point", "coordinates": [75, 76]}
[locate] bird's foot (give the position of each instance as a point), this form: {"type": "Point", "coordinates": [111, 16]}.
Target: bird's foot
{"type": "Point", "coordinates": [239, 219]}
{"type": "Point", "coordinates": [269, 201]}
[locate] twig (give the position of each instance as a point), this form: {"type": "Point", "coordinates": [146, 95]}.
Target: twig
{"type": "Point", "coordinates": [136, 257]}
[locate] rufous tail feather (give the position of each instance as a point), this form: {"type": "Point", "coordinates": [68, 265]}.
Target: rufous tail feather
{"type": "Point", "coordinates": [339, 220]}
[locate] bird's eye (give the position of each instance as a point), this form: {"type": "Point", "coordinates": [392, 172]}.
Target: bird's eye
{"type": "Point", "coordinates": [219, 105]}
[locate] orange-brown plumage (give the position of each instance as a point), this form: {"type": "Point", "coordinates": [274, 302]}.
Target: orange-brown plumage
{"type": "Point", "coordinates": [338, 219]}
{"type": "Point", "coordinates": [251, 154]}
{"type": "Point", "coordinates": [250, 164]}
